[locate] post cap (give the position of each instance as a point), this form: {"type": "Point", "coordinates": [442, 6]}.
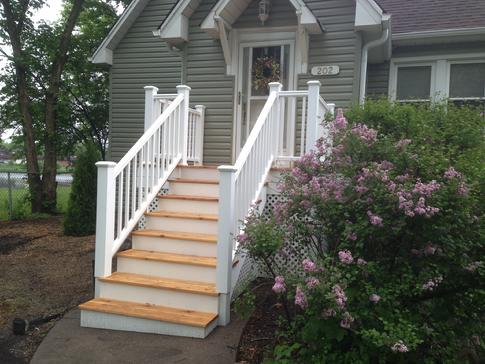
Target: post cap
{"type": "Point", "coordinates": [105, 164]}
{"type": "Point", "coordinates": [200, 106]}
{"type": "Point", "coordinates": [314, 83]}
{"type": "Point", "coordinates": [183, 88]}
{"type": "Point", "coordinates": [151, 88]}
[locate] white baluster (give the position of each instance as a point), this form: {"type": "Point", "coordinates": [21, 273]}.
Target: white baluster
{"type": "Point", "coordinates": [105, 218]}
{"type": "Point", "coordinates": [199, 135]}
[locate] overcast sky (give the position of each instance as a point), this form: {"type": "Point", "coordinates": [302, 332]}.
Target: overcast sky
{"type": "Point", "coordinates": [49, 12]}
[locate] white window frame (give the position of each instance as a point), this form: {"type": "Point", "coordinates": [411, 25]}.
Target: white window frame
{"type": "Point", "coordinates": [448, 77]}
{"type": "Point", "coordinates": [440, 73]}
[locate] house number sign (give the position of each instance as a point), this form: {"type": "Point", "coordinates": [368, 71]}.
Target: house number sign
{"type": "Point", "coordinates": [325, 70]}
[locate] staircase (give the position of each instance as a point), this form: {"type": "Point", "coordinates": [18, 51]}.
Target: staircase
{"type": "Point", "coordinates": [166, 283]}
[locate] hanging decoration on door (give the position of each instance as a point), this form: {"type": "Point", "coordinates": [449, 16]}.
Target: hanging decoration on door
{"type": "Point", "coordinates": [265, 70]}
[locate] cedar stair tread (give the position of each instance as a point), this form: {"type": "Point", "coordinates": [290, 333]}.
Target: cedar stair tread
{"type": "Point", "coordinates": [183, 215]}
{"type": "Point", "coordinates": [150, 312]}
{"type": "Point", "coordinates": [168, 257]}
{"type": "Point", "coordinates": [177, 235]}
{"type": "Point", "coordinates": [194, 180]}
{"type": "Point", "coordinates": [162, 283]}
{"type": "Point", "coordinates": [189, 197]}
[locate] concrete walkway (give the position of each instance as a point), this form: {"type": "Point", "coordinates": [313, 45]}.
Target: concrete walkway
{"type": "Point", "coordinates": [68, 343]}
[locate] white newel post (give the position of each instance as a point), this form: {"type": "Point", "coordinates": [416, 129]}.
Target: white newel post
{"type": "Point", "coordinates": [184, 120]}
{"type": "Point", "coordinates": [312, 117]}
{"type": "Point", "coordinates": [225, 240]}
{"type": "Point", "coordinates": [150, 92]}
{"type": "Point", "coordinates": [199, 134]}
{"type": "Point", "coordinates": [276, 87]}
{"type": "Point", "coordinates": [105, 218]}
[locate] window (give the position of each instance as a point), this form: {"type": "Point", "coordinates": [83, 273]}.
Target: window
{"type": "Point", "coordinates": [413, 83]}
{"type": "Point", "coordinates": [458, 77]}
{"type": "Point", "coordinates": [467, 80]}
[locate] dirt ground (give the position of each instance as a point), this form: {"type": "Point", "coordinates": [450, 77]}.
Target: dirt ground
{"type": "Point", "coordinates": [259, 336]}
{"type": "Point", "coordinates": [42, 273]}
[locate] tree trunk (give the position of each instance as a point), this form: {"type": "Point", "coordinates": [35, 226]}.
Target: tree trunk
{"type": "Point", "coordinates": [49, 185]}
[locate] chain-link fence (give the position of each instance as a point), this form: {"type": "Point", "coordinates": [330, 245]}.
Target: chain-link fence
{"type": "Point", "coordinates": [14, 194]}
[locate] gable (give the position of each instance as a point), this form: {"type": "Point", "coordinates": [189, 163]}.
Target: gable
{"type": "Point", "coordinates": [282, 13]}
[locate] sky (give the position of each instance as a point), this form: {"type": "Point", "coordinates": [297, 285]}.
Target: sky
{"type": "Point", "coordinates": [49, 12]}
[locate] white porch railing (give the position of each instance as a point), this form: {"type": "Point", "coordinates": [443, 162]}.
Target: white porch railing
{"type": "Point", "coordinates": [241, 184]}
{"type": "Point", "coordinates": [173, 135]}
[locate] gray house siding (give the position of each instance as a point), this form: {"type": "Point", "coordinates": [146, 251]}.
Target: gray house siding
{"type": "Point", "coordinates": [378, 74]}
{"type": "Point", "coordinates": [377, 80]}
{"type": "Point", "coordinates": [139, 60]}
{"type": "Point", "coordinates": [206, 74]}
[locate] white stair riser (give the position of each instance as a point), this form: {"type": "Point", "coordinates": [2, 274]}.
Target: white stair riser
{"type": "Point", "coordinates": [199, 207]}
{"type": "Point", "coordinates": [181, 225]}
{"type": "Point", "coordinates": [194, 189]}
{"type": "Point", "coordinates": [199, 173]}
{"type": "Point", "coordinates": [166, 245]}
{"type": "Point", "coordinates": [187, 272]}
{"type": "Point", "coordinates": [159, 296]}
{"type": "Point", "coordinates": [101, 320]}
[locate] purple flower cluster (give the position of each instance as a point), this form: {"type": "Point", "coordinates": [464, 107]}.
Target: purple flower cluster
{"type": "Point", "coordinates": [426, 189]}
{"type": "Point", "coordinates": [374, 219]}
{"type": "Point", "coordinates": [368, 135]}
{"type": "Point", "coordinates": [361, 261]}
{"type": "Point", "coordinates": [432, 283]}
{"type": "Point", "coordinates": [374, 298]}
{"type": "Point", "coordinates": [347, 320]}
{"type": "Point", "coordinates": [279, 285]}
{"type": "Point", "coordinates": [300, 298]}
{"type": "Point", "coordinates": [411, 209]}
{"type": "Point", "coordinates": [345, 257]}
{"type": "Point", "coordinates": [312, 282]}
{"type": "Point", "coordinates": [451, 173]}
{"type": "Point", "coordinates": [340, 121]}
{"type": "Point", "coordinates": [340, 297]}
{"type": "Point", "coordinates": [399, 347]}
{"type": "Point", "coordinates": [403, 143]}
{"type": "Point", "coordinates": [472, 267]}
{"type": "Point", "coordinates": [309, 265]}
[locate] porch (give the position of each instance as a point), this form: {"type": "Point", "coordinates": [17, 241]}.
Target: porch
{"type": "Point", "coordinates": [179, 276]}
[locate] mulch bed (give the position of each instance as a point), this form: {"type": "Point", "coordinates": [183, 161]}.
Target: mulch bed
{"type": "Point", "coordinates": [260, 334]}
{"type": "Point", "coordinates": [42, 273]}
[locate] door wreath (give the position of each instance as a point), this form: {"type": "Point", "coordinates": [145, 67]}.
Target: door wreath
{"type": "Point", "coordinates": [265, 70]}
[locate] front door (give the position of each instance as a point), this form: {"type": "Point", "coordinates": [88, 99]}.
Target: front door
{"type": "Point", "coordinates": [258, 66]}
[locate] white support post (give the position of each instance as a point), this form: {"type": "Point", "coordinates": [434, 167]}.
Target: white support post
{"type": "Point", "coordinates": [313, 112]}
{"type": "Point", "coordinates": [276, 87]}
{"type": "Point", "coordinates": [105, 218]}
{"type": "Point", "coordinates": [150, 92]}
{"type": "Point", "coordinates": [225, 240]}
{"type": "Point", "coordinates": [331, 110]}
{"type": "Point", "coordinates": [199, 134]}
{"type": "Point", "coordinates": [184, 120]}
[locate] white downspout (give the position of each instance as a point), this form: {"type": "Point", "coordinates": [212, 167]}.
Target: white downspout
{"type": "Point", "coordinates": [363, 62]}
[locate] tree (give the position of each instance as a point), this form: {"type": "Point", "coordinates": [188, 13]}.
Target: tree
{"type": "Point", "coordinates": [81, 211]}
{"type": "Point", "coordinates": [17, 27]}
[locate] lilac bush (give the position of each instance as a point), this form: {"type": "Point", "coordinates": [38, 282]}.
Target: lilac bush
{"type": "Point", "coordinates": [392, 270]}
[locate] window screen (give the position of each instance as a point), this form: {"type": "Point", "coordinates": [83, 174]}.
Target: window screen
{"type": "Point", "coordinates": [467, 80]}
{"type": "Point", "coordinates": [413, 82]}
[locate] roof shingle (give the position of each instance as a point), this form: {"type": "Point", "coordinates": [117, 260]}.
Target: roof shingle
{"type": "Point", "coordinates": [425, 15]}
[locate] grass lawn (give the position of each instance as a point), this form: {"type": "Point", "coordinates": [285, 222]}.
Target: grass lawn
{"type": "Point", "coordinates": [21, 207]}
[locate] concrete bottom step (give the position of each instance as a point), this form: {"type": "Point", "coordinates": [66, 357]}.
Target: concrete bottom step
{"type": "Point", "coordinates": [129, 316]}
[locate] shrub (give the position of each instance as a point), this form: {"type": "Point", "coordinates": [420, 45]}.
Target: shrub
{"type": "Point", "coordinates": [81, 211]}
{"type": "Point", "coordinates": [390, 219]}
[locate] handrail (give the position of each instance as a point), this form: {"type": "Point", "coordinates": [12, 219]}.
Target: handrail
{"type": "Point", "coordinates": [242, 184]}
{"type": "Point", "coordinates": [173, 134]}
{"type": "Point", "coordinates": [148, 134]}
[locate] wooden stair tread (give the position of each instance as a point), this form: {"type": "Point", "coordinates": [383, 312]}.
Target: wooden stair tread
{"type": "Point", "coordinates": [183, 215]}
{"type": "Point", "coordinates": [190, 197]}
{"type": "Point", "coordinates": [198, 166]}
{"type": "Point", "coordinates": [177, 235]}
{"type": "Point", "coordinates": [168, 257]}
{"type": "Point", "coordinates": [150, 312]}
{"type": "Point", "coordinates": [194, 180]}
{"type": "Point", "coordinates": [160, 282]}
